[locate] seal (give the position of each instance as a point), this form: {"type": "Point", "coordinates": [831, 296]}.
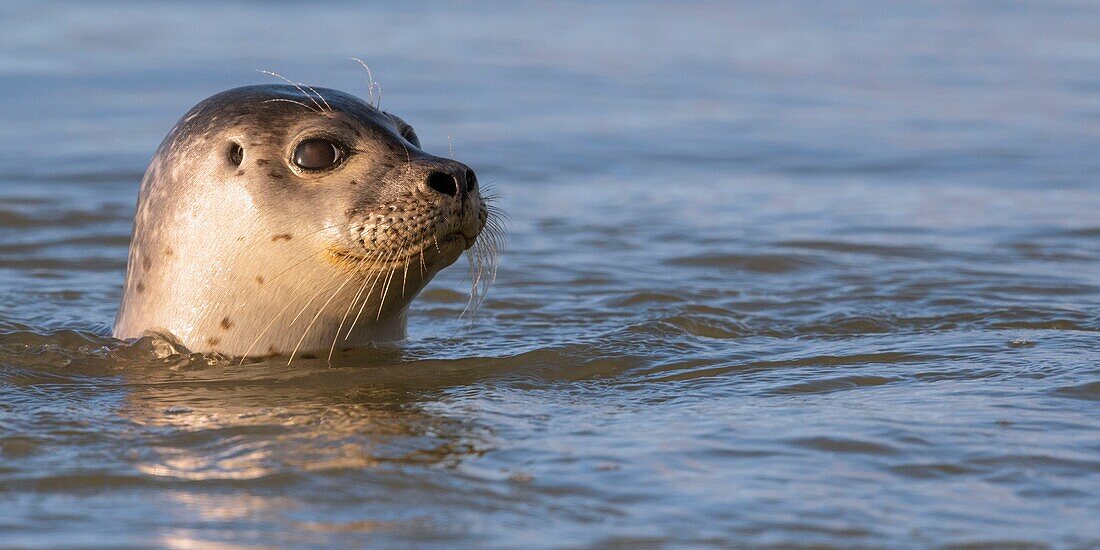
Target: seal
{"type": "Point", "coordinates": [283, 219]}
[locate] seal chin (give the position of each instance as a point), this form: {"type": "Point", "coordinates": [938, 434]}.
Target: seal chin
{"type": "Point", "coordinates": [451, 247]}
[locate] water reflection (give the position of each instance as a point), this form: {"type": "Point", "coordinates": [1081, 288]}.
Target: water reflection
{"type": "Point", "coordinates": [218, 419]}
{"type": "Point", "coordinates": [214, 441]}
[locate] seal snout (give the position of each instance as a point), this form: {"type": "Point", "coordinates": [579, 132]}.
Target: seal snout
{"type": "Point", "coordinates": [435, 212]}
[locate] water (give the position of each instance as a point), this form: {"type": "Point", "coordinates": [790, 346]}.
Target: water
{"type": "Point", "coordinates": [777, 273]}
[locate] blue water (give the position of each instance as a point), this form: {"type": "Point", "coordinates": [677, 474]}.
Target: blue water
{"type": "Point", "coordinates": [777, 273]}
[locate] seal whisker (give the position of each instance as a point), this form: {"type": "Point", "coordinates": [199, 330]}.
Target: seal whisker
{"type": "Point", "coordinates": [366, 298]}
{"type": "Point", "coordinates": [385, 291]}
{"type": "Point", "coordinates": [483, 260]}
{"type": "Point", "coordinates": [317, 316]}
{"type": "Point", "coordinates": [474, 272]}
{"type": "Point", "coordinates": [319, 96]}
{"type": "Point", "coordinates": [372, 257]}
{"type": "Point", "coordinates": [389, 279]}
{"type": "Point", "coordinates": [291, 82]}
{"type": "Point", "coordinates": [315, 295]}
{"type": "Point", "coordinates": [408, 159]}
{"type": "Point", "coordinates": [370, 80]}
{"type": "Point", "coordinates": [375, 278]}
{"type": "Point", "coordinates": [486, 274]}
{"type": "Point", "coordinates": [305, 258]}
{"type": "Point", "coordinates": [405, 279]}
{"type": "Point", "coordinates": [351, 306]}
{"type": "Point", "coordinates": [274, 318]}
{"type": "Point", "coordinates": [291, 101]}
{"type": "Point", "coordinates": [285, 271]}
{"type": "Point", "coordinates": [476, 267]}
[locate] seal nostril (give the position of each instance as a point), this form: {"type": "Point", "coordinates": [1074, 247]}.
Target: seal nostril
{"type": "Point", "coordinates": [471, 181]}
{"type": "Point", "coordinates": [443, 183]}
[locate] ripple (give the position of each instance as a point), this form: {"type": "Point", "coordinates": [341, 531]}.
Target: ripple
{"type": "Point", "coordinates": [704, 326]}
{"type": "Point", "coordinates": [755, 263]}
{"type": "Point", "coordinates": [674, 372]}
{"type": "Point", "coordinates": [104, 240]}
{"type": "Point", "coordinates": [18, 447]}
{"type": "Point", "coordinates": [881, 250]}
{"type": "Point", "coordinates": [828, 385]}
{"type": "Point", "coordinates": [1007, 464]}
{"type": "Point", "coordinates": [1086, 232]}
{"type": "Point", "coordinates": [443, 296]}
{"type": "Point", "coordinates": [932, 470]}
{"type": "Point", "coordinates": [91, 480]}
{"type": "Point", "coordinates": [1089, 391]}
{"type": "Point", "coordinates": [52, 218]}
{"type": "Point", "coordinates": [645, 298]}
{"type": "Point", "coordinates": [843, 445]}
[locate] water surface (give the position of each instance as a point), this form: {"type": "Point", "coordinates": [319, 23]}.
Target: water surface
{"type": "Point", "coordinates": [777, 273]}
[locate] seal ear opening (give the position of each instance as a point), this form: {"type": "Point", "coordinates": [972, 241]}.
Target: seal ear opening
{"type": "Point", "coordinates": [236, 153]}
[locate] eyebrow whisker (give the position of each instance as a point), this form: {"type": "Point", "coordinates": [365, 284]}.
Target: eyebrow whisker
{"type": "Point", "coordinates": [292, 83]}
{"type": "Point", "coordinates": [292, 101]}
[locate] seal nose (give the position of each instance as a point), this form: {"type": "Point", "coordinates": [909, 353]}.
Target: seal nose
{"type": "Point", "coordinates": [451, 184]}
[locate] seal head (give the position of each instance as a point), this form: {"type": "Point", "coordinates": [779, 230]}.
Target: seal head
{"type": "Point", "coordinates": [275, 220]}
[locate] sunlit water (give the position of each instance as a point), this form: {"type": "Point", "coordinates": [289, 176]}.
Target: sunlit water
{"type": "Point", "coordinates": [777, 273]}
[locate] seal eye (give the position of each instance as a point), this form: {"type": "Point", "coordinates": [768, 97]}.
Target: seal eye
{"type": "Point", "coordinates": [316, 154]}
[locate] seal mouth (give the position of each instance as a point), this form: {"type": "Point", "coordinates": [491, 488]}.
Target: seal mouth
{"type": "Point", "coordinates": [368, 261]}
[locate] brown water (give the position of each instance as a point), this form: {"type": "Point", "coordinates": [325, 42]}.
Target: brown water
{"type": "Point", "coordinates": [777, 273]}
